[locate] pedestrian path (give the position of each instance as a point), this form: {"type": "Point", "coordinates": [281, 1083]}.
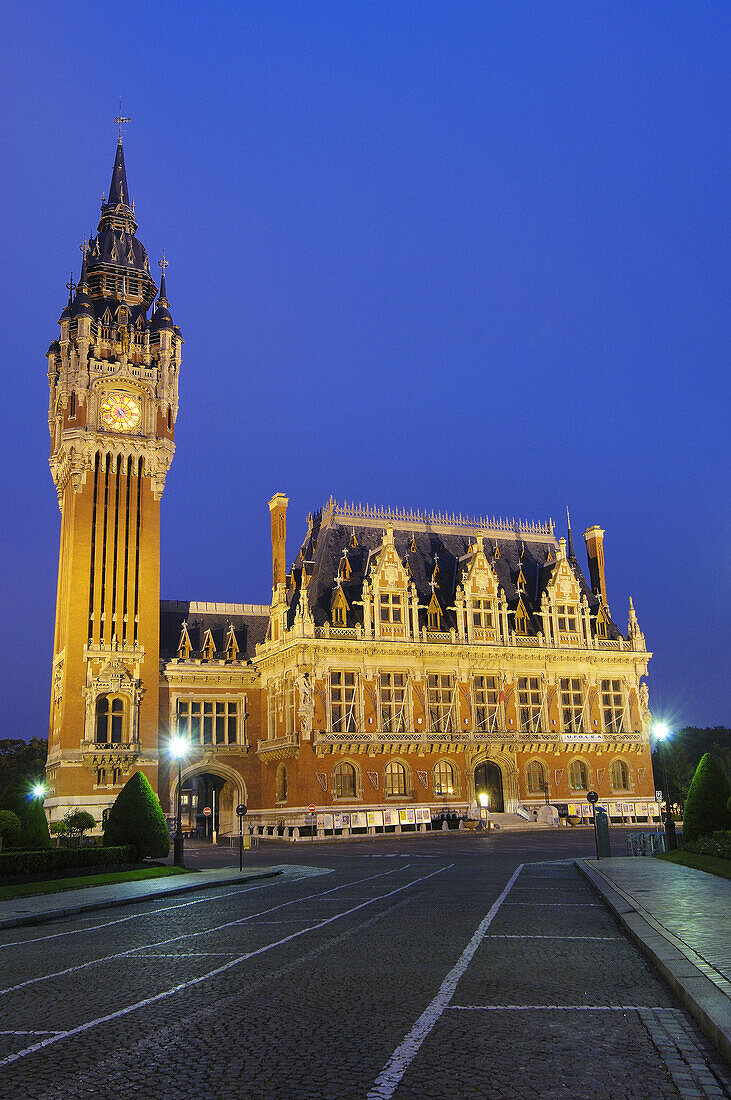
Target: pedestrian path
{"type": "Point", "coordinates": [681, 919]}
{"type": "Point", "coordinates": [39, 908]}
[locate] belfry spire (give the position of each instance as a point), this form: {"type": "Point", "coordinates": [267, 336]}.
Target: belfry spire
{"type": "Point", "coordinates": [118, 191]}
{"type": "Point", "coordinates": [572, 553]}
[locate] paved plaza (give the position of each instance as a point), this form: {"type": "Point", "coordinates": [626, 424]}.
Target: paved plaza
{"type": "Point", "coordinates": [428, 966]}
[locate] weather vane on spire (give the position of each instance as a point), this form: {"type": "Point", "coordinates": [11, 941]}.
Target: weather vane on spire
{"type": "Point", "coordinates": [120, 121]}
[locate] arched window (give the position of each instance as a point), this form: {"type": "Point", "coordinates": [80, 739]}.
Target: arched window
{"type": "Point", "coordinates": [535, 777]}
{"type": "Point", "coordinates": [394, 778]}
{"type": "Point", "coordinates": [72, 407]}
{"type": "Point", "coordinates": [281, 783]}
{"type": "Point", "coordinates": [444, 778]}
{"type": "Point", "coordinates": [578, 776]}
{"type": "Point", "coordinates": [619, 773]}
{"type": "Point", "coordinates": [345, 780]}
{"type": "Point", "coordinates": [109, 720]}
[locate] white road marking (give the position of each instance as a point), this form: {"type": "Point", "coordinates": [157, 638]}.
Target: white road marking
{"type": "Point", "coordinates": [211, 974]}
{"type": "Point", "coordinates": [559, 904]}
{"type": "Point", "coordinates": [245, 888]}
{"type": "Point", "coordinates": [132, 951]}
{"type": "Point", "coordinates": [554, 1008]}
{"type": "Point", "coordinates": [513, 936]}
{"type": "Point", "coordinates": [31, 1033]}
{"type": "Point", "coordinates": [390, 1076]}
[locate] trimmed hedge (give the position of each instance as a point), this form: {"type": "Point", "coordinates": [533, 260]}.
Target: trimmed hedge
{"type": "Point", "coordinates": [718, 844]}
{"type": "Point", "coordinates": [50, 860]}
{"type": "Point", "coordinates": [705, 807]}
{"type": "Point", "coordinates": [136, 818]}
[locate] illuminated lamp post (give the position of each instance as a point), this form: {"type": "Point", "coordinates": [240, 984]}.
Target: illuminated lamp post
{"type": "Point", "coordinates": [39, 791]}
{"type": "Point", "coordinates": [483, 808]}
{"type": "Point", "coordinates": [671, 840]}
{"type": "Point", "coordinates": [178, 748]}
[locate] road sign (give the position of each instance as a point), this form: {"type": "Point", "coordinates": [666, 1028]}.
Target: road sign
{"type": "Point", "coordinates": [241, 810]}
{"type": "Point", "coordinates": [206, 811]}
{"type": "Point", "coordinates": [311, 809]}
{"type": "Point", "coordinates": [658, 796]}
{"type": "Point", "coordinates": [592, 797]}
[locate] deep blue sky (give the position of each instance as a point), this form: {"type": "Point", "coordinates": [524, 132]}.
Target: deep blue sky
{"type": "Point", "coordinates": [468, 256]}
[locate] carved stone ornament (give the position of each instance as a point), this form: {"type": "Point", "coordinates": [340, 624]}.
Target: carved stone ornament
{"type": "Point", "coordinates": [321, 778]}
{"type": "Point", "coordinates": [306, 712]}
{"type": "Point", "coordinates": [373, 776]}
{"type": "Point", "coordinates": [423, 779]}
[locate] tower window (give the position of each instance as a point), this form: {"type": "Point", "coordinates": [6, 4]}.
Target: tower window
{"type": "Point", "coordinates": [72, 407]}
{"type": "Point", "coordinates": [109, 720]}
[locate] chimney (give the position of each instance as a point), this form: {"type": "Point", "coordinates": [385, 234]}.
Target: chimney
{"type": "Point", "coordinates": [278, 508]}
{"type": "Point", "coordinates": [594, 539]}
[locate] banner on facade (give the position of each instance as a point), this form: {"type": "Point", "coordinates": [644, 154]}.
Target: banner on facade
{"type": "Point", "coordinates": [582, 738]}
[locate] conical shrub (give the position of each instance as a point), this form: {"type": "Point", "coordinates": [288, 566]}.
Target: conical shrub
{"type": "Point", "coordinates": [706, 804]}
{"type": "Point", "coordinates": [137, 818]}
{"type": "Point", "coordinates": [18, 797]}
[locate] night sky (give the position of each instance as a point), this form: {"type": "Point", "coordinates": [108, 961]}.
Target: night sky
{"type": "Point", "coordinates": [461, 256]}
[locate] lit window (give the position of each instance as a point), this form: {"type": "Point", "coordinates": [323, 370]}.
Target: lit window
{"type": "Point", "coordinates": [572, 705]}
{"type": "Point", "coordinates": [345, 782]}
{"type": "Point", "coordinates": [530, 703]}
{"type": "Point", "coordinates": [619, 773]}
{"type": "Point", "coordinates": [208, 721]}
{"type": "Point", "coordinates": [343, 702]}
{"type": "Point", "coordinates": [485, 690]}
{"type": "Point", "coordinates": [612, 706]}
{"type": "Point", "coordinates": [441, 703]}
{"type": "Point", "coordinates": [535, 777]}
{"type": "Point", "coordinates": [444, 778]}
{"type": "Point", "coordinates": [394, 778]}
{"type": "Point", "coordinates": [578, 776]}
{"type": "Point", "coordinates": [393, 702]}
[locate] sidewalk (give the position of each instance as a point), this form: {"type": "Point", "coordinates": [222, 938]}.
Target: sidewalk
{"type": "Point", "coordinates": [39, 908]}
{"type": "Point", "coordinates": [681, 919]}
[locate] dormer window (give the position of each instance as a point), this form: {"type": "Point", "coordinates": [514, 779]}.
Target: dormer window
{"type": "Point", "coordinates": [521, 619]}
{"type": "Point", "coordinates": [339, 608]}
{"type": "Point", "coordinates": [567, 619]}
{"type": "Point", "coordinates": [391, 605]}
{"type": "Point", "coordinates": [208, 651]}
{"type": "Point", "coordinates": [434, 615]}
{"type": "Point", "coordinates": [481, 613]}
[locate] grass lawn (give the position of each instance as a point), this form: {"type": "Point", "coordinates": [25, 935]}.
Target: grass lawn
{"type": "Point", "coordinates": [713, 864]}
{"type": "Point", "coordinates": [54, 886]}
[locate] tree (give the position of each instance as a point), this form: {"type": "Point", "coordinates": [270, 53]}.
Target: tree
{"type": "Point", "coordinates": [19, 798]}
{"type": "Point", "coordinates": [136, 818]}
{"type": "Point", "coordinates": [77, 822]}
{"type": "Point", "coordinates": [682, 753]}
{"type": "Point", "coordinates": [705, 806]}
{"type": "Point", "coordinates": [9, 826]}
{"type": "Point", "coordinates": [20, 758]}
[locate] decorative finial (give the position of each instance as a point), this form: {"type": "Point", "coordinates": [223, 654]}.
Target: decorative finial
{"type": "Point", "coordinates": [71, 285]}
{"type": "Point", "coordinates": [163, 263]}
{"type": "Point", "coordinates": [120, 121]}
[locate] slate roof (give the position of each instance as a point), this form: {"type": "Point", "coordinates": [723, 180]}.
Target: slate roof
{"type": "Point", "coordinates": [249, 628]}
{"type": "Point", "coordinates": [322, 552]}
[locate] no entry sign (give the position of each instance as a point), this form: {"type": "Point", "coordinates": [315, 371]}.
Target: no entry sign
{"type": "Point", "coordinates": [311, 809]}
{"type": "Point", "coordinates": [207, 811]}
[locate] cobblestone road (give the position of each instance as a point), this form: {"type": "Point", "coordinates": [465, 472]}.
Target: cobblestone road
{"type": "Point", "coordinates": [423, 967]}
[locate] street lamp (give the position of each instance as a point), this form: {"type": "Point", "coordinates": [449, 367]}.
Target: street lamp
{"type": "Point", "coordinates": [178, 747]}
{"type": "Point", "coordinates": [671, 840]}
{"type": "Point", "coordinates": [39, 790]}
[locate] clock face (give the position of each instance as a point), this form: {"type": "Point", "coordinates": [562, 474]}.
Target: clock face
{"type": "Point", "coordinates": [120, 412]}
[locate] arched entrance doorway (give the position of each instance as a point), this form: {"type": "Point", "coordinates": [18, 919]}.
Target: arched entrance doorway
{"type": "Point", "coordinates": [489, 781]}
{"type": "Point", "coordinates": [220, 790]}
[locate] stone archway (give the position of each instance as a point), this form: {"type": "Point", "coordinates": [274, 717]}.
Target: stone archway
{"type": "Point", "coordinates": [508, 779]}
{"type": "Point", "coordinates": [489, 784]}
{"type": "Point", "coordinates": [230, 791]}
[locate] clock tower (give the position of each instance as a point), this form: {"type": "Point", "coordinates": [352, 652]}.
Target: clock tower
{"type": "Point", "coordinates": [113, 379]}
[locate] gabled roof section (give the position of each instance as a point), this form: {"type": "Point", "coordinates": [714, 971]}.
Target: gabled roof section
{"type": "Point", "coordinates": [247, 623]}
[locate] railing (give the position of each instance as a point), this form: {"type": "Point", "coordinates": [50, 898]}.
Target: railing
{"type": "Point", "coordinates": [277, 744]}
{"type": "Point", "coordinates": [432, 737]}
{"type": "Point", "coordinates": [538, 641]}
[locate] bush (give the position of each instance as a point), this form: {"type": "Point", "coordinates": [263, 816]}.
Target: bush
{"type": "Point", "coordinates": [63, 859]}
{"type": "Point", "coordinates": [137, 818]}
{"type": "Point", "coordinates": [705, 806]}
{"type": "Point", "coordinates": [29, 811]}
{"type": "Point", "coordinates": [9, 826]}
{"type": "Point", "coordinates": [718, 844]}
{"type": "Point", "coordinates": [77, 823]}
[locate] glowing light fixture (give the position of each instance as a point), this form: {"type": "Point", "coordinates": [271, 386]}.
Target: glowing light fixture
{"type": "Point", "coordinates": [661, 731]}
{"type": "Point", "coordinates": [483, 798]}
{"type": "Point", "coordinates": [178, 747]}
{"type": "Point", "coordinates": [39, 790]}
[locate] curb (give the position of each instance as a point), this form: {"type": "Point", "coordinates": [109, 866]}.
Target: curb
{"type": "Point", "coordinates": [110, 903]}
{"type": "Point", "coordinates": [687, 974]}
